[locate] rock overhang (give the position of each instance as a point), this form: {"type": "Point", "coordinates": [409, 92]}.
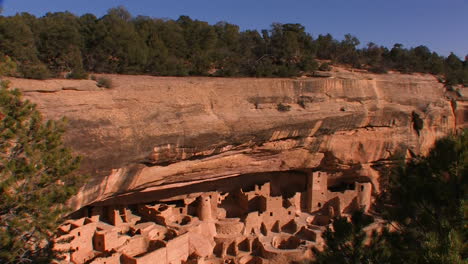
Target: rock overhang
{"type": "Point", "coordinates": [153, 133]}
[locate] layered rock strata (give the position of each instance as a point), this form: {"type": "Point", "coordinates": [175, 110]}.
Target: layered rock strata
{"type": "Point", "coordinates": [148, 138]}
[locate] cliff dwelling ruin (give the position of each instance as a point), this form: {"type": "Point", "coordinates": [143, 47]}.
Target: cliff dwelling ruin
{"type": "Point", "coordinates": [207, 170]}
{"type": "Point", "coordinates": [252, 219]}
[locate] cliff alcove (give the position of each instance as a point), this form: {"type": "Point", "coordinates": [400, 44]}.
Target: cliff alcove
{"type": "Point", "coordinates": [205, 168]}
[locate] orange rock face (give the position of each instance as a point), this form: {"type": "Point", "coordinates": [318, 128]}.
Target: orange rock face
{"type": "Point", "coordinates": [149, 135]}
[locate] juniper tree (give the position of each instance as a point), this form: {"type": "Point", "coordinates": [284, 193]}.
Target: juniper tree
{"type": "Point", "coordinates": [347, 242]}
{"type": "Point", "coordinates": [426, 203]}
{"type": "Point", "coordinates": [37, 177]}
{"type": "Point", "coordinates": [428, 200]}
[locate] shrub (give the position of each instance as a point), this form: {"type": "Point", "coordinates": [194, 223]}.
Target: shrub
{"type": "Point", "coordinates": [78, 74]}
{"type": "Point", "coordinates": [283, 108]}
{"type": "Point", "coordinates": [380, 69]}
{"type": "Point", "coordinates": [34, 71]}
{"type": "Point", "coordinates": [325, 67]}
{"type": "Point", "coordinates": [308, 65]}
{"type": "Point", "coordinates": [7, 66]}
{"type": "Point", "coordinates": [104, 82]}
{"type": "Point", "coordinates": [287, 71]}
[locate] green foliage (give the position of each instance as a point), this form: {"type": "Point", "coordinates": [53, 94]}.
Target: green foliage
{"type": "Point", "coordinates": [325, 67]}
{"type": "Point", "coordinates": [59, 42]}
{"type": "Point", "coordinates": [428, 198]}
{"type": "Point", "coordinates": [104, 82]}
{"type": "Point", "coordinates": [346, 242]}
{"type": "Point", "coordinates": [78, 73]}
{"type": "Point", "coordinates": [117, 46]}
{"type": "Point", "coordinates": [326, 47]}
{"type": "Point", "coordinates": [121, 43]}
{"type": "Point", "coordinates": [456, 71]}
{"type": "Point", "coordinates": [426, 203]}
{"type": "Point", "coordinates": [36, 179]}
{"type": "Point", "coordinates": [347, 51]}
{"type": "Point", "coordinates": [17, 39]}
{"type": "Point", "coordinates": [7, 66]}
{"type": "Point", "coordinates": [34, 71]}
{"type": "Point", "coordinates": [378, 69]}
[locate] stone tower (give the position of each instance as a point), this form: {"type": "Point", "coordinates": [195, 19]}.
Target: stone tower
{"type": "Point", "coordinates": [316, 190]}
{"type": "Point", "coordinates": [364, 192]}
{"type": "Point", "coordinates": [204, 208]}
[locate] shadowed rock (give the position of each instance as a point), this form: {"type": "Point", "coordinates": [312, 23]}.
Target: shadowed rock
{"type": "Point", "coordinates": [153, 133]}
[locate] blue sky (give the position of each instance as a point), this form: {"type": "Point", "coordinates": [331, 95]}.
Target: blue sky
{"type": "Point", "coordinates": [442, 25]}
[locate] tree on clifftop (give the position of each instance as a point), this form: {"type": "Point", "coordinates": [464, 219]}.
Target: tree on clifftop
{"type": "Point", "coordinates": [36, 179]}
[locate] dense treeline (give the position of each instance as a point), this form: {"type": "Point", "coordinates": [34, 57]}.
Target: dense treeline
{"type": "Point", "coordinates": [119, 43]}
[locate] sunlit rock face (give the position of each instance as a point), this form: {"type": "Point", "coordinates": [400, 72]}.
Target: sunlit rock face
{"type": "Point", "coordinates": [150, 134]}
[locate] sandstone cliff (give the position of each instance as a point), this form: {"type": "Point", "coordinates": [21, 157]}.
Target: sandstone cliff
{"type": "Point", "coordinates": [149, 134]}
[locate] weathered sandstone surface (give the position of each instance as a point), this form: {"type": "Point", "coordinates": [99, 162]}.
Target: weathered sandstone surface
{"type": "Point", "coordinates": [150, 134]}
